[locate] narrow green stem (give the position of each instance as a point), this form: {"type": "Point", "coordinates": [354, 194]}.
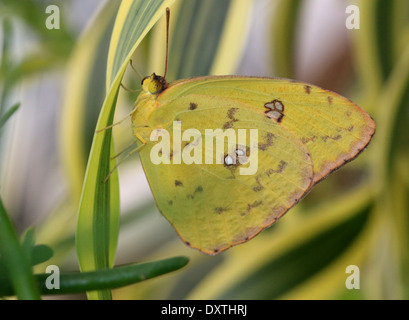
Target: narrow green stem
{"type": "Point", "coordinates": [77, 282]}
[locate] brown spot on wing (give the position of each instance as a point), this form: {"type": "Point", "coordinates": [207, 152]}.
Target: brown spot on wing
{"type": "Point", "coordinates": [251, 206]}
{"type": "Point", "coordinates": [354, 151]}
{"type": "Point", "coordinates": [255, 204]}
{"type": "Point", "coordinates": [307, 89]}
{"type": "Point", "coordinates": [178, 183]}
{"type": "Point", "coordinates": [281, 167]}
{"type": "Point", "coordinates": [259, 186]}
{"type": "Point", "coordinates": [219, 210]}
{"type": "Point", "coordinates": [228, 125]}
{"type": "Point", "coordinates": [276, 213]}
{"type": "Point", "coordinates": [230, 114]}
{"type": "Point", "coordinates": [268, 142]}
{"type": "Point", "coordinates": [275, 110]}
{"type": "Point", "coordinates": [335, 138]}
{"type": "Point", "coordinates": [308, 139]}
{"type": "Point", "coordinates": [192, 106]}
{"type": "Point", "coordinates": [192, 196]}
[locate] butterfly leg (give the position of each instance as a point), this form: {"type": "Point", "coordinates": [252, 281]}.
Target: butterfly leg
{"type": "Point", "coordinates": [130, 90]}
{"type": "Point", "coordinates": [140, 137]}
{"type": "Point", "coordinates": [121, 152]}
{"type": "Point", "coordinates": [114, 124]}
{"type": "Point", "coordinates": [134, 69]}
{"type": "Point", "coordinates": [120, 121]}
{"type": "Point", "coordinates": [122, 160]}
{"type": "Point", "coordinates": [138, 73]}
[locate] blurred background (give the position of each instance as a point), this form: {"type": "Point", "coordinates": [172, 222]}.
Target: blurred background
{"type": "Point", "coordinates": [357, 216]}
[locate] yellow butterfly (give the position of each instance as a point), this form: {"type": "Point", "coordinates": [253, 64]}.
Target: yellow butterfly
{"type": "Point", "coordinates": [301, 134]}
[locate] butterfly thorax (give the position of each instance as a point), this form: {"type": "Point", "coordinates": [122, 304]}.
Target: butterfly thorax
{"type": "Point", "coordinates": [145, 104]}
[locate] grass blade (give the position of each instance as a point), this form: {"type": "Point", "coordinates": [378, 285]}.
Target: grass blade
{"type": "Point", "coordinates": [98, 214]}
{"type": "Point", "coordinates": [84, 95]}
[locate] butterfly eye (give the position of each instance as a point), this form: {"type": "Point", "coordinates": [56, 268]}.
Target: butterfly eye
{"type": "Point", "coordinates": [155, 86]}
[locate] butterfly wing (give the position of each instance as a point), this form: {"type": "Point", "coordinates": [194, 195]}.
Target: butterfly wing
{"type": "Point", "coordinates": [334, 129]}
{"type": "Point", "coordinates": [215, 206]}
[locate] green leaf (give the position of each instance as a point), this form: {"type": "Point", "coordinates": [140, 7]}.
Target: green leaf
{"type": "Point", "coordinates": [304, 249]}
{"type": "Point", "coordinates": [392, 129]}
{"type": "Point", "coordinates": [373, 47]}
{"type": "Point", "coordinates": [36, 254]}
{"type": "Point", "coordinates": [27, 243]}
{"type": "Point", "coordinates": [197, 47]}
{"type": "Point", "coordinates": [199, 37]}
{"type": "Point", "coordinates": [302, 262]}
{"type": "Point", "coordinates": [98, 214]}
{"type": "Point", "coordinates": [40, 253]}
{"type": "Point", "coordinates": [383, 28]}
{"type": "Point", "coordinates": [8, 114]}
{"type": "Point", "coordinates": [104, 279]}
{"type": "Point", "coordinates": [15, 260]}
{"type": "Point", "coordinates": [284, 35]}
{"type": "Point", "coordinates": [84, 94]}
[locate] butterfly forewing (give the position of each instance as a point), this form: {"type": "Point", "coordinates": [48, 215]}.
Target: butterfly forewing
{"type": "Point", "coordinates": [213, 199]}
{"type": "Point", "coordinates": [334, 129]}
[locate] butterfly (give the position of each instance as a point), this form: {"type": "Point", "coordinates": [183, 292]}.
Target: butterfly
{"type": "Point", "coordinates": [289, 135]}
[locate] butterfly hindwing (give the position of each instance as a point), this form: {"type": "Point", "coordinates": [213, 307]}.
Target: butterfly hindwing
{"type": "Point", "coordinates": [214, 206]}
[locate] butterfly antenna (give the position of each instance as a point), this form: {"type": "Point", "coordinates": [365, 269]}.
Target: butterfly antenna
{"type": "Point", "coordinates": [167, 40]}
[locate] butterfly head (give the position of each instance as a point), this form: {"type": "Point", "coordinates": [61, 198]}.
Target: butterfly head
{"type": "Point", "coordinates": [154, 84]}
